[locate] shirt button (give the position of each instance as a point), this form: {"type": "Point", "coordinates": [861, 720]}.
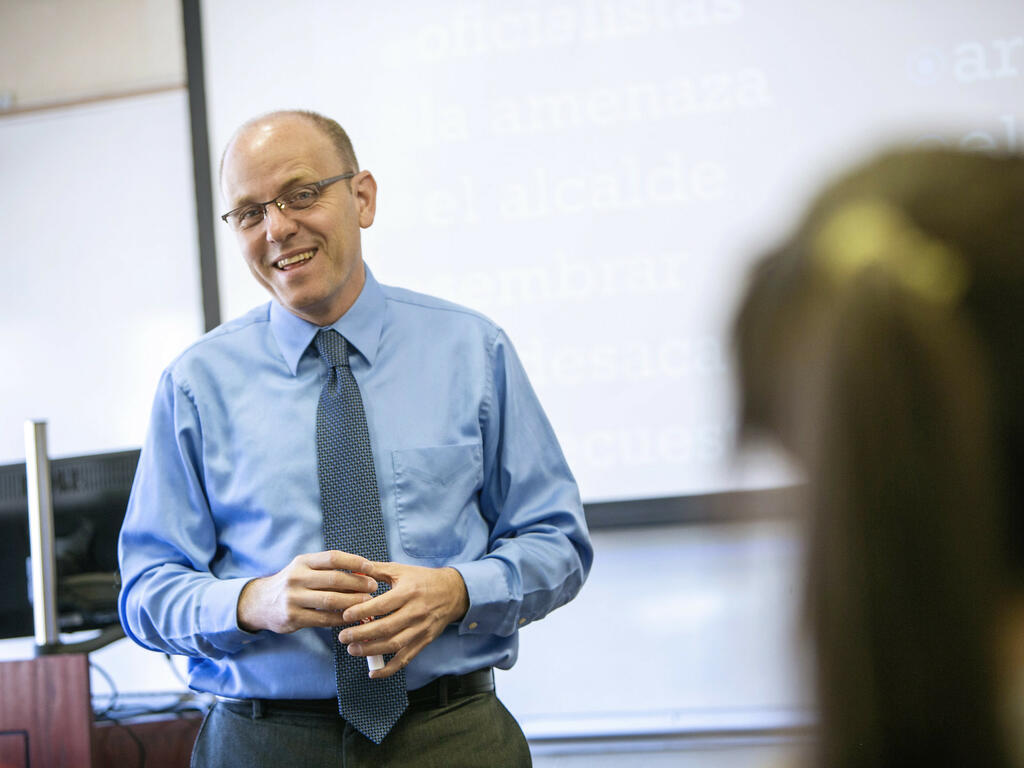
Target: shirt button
{"type": "Point", "coordinates": [521, 622]}
{"type": "Point", "coordinates": [473, 625]}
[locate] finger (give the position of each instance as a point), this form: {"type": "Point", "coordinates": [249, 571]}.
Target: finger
{"type": "Point", "coordinates": [301, 618]}
{"type": "Point", "coordinates": [328, 601]}
{"type": "Point", "coordinates": [334, 559]}
{"type": "Point", "coordinates": [407, 640]}
{"type": "Point", "coordinates": [375, 648]}
{"type": "Point", "coordinates": [382, 571]}
{"type": "Point", "coordinates": [338, 581]}
{"type": "Point", "coordinates": [386, 603]}
{"type": "Point", "coordinates": [384, 629]}
{"type": "Point", "coordinates": [397, 662]}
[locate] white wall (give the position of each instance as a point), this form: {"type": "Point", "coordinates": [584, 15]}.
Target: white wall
{"type": "Point", "coordinates": [99, 248]}
{"type": "Point", "coordinates": [55, 51]}
{"type": "Point", "coordinates": [679, 629]}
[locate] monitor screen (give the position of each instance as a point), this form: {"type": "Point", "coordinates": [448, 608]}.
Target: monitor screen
{"type": "Point", "coordinates": [90, 494]}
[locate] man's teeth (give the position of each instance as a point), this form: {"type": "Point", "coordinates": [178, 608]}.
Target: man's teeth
{"type": "Point", "coordinates": [305, 256]}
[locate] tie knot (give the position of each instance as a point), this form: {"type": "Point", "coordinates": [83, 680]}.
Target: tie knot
{"type": "Point", "coordinates": [332, 347]}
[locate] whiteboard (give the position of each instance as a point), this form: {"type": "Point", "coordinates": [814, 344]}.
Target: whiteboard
{"type": "Point", "coordinates": [597, 175]}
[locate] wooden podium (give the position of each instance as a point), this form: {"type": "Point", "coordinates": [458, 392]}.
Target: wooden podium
{"type": "Point", "coordinates": [46, 721]}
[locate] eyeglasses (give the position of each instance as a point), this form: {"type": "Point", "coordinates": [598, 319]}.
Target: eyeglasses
{"type": "Point", "coordinates": [251, 214]}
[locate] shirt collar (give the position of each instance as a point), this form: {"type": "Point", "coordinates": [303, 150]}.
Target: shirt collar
{"type": "Point", "coordinates": [361, 325]}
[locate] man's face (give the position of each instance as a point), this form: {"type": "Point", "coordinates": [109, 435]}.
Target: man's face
{"type": "Point", "coordinates": [310, 260]}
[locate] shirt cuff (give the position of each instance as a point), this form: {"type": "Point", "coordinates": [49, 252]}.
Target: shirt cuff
{"type": "Point", "coordinates": [492, 606]}
{"type": "Point", "coordinates": [218, 616]}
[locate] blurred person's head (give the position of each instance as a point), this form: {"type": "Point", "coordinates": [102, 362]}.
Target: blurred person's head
{"type": "Point", "coordinates": [883, 345]}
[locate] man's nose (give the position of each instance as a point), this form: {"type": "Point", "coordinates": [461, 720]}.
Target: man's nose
{"type": "Point", "coordinates": [280, 226]}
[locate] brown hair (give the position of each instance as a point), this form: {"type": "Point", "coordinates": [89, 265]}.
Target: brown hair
{"type": "Point", "coordinates": [883, 343]}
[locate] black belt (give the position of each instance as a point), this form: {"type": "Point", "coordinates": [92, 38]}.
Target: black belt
{"type": "Point", "coordinates": [436, 693]}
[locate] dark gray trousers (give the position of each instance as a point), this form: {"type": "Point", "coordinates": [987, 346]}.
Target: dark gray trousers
{"type": "Point", "coordinates": [470, 732]}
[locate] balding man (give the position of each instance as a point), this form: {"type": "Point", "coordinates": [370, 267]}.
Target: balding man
{"type": "Point", "coordinates": [347, 472]}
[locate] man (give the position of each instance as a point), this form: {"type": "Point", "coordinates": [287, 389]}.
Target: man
{"type": "Point", "coordinates": [248, 468]}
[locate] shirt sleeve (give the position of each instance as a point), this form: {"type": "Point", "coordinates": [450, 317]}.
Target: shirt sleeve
{"type": "Point", "coordinates": [539, 550]}
{"type": "Point", "coordinates": [170, 601]}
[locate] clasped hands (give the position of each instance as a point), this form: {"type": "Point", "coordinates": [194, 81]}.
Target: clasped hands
{"type": "Point", "coordinates": [328, 589]}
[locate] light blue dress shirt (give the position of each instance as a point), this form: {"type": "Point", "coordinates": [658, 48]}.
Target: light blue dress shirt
{"type": "Point", "coordinates": [469, 471]}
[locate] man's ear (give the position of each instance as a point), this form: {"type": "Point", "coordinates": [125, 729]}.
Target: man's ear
{"type": "Point", "coordinates": [364, 186]}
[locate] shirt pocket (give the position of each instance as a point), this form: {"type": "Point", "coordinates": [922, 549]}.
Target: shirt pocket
{"type": "Point", "coordinates": [436, 493]}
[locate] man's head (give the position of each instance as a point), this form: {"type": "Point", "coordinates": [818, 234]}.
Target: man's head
{"type": "Point", "coordinates": [310, 259]}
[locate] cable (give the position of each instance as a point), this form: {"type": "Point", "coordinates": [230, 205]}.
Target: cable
{"type": "Point", "coordinates": [180, 704]}
{"type": "Point", "coordinates": [119, 709]}
{"type": "Point", "coordinates": [110, 683]}
{"type": "Point", "coordinates": [136, 739]}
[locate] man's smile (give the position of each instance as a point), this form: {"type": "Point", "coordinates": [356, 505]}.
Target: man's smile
{"type": "Point", "coordinates": [295, 258]}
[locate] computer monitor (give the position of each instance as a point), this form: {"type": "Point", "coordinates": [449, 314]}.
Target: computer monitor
{"type": "Point", "coordinates": [90, 494]}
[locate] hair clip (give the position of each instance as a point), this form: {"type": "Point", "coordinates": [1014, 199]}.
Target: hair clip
{"type": "Point", "coordinates": [868, 233]}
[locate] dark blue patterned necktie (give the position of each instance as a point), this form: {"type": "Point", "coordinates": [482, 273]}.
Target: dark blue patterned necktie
{"type": "Point", "coordinates": [352, 523]}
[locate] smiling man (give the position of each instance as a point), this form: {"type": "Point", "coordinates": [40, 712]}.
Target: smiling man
{"type": "Point", "coordinates": [349, 500]}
